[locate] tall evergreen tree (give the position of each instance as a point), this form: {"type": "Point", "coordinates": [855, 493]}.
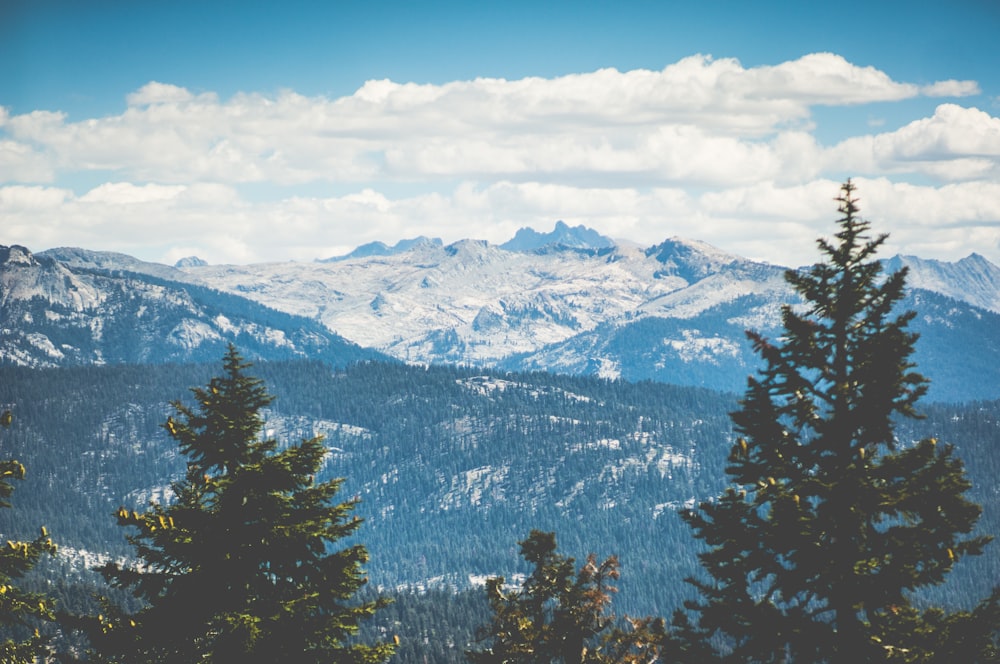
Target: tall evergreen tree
{"type": "Point", "coordinates": [241, 567]}
{"type": "Point", "coordinates": [560, 615]}
{"type": "Point", "coordinates": [21, 612]}
{"type": "Point", "coordinates": [832, 523]}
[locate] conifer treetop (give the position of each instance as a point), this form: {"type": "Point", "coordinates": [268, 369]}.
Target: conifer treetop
{"type": "Point", "coordinates": [247, 563]}
{"type": "Point", "coordinates": [831, 523]}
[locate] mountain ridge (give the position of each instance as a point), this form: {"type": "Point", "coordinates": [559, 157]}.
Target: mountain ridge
{"type": "Point", "coordinates": [562, 236]}
{"type": "Point", "coordinates": [675, 311]}
{"type": "Point", "coordinates": [57, 314]}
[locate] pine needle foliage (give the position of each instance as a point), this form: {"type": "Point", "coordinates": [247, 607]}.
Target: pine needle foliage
{"type": "Point", "coordinates": [562, 615]}
{"type": "Point", "coordinates": [242, 566]}
{"type": "Point", "coordinates": [21, 612]}
{"type": "Point", "coordinates": [831, 523]}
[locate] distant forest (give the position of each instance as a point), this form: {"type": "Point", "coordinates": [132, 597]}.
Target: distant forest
{"type": "Point", "coordinates": [453, 466]}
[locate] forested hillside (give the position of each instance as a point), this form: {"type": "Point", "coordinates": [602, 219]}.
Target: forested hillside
{"type": "Point", "coordinates": [453, 466]}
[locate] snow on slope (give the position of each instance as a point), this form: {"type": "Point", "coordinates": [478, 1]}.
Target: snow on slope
{"type": "Point", "coordinates": [23, 277]}
{"type": "Point", "coordinates": [548, 303]}
{"type": "Point", "coordinates": [488, 301]}
{"type": "Point", "coordinates": [95, 309]}
{"type": "Point", "coordinates": [972, 279]}
{"type": "Point", "coordinates": [476, 303]}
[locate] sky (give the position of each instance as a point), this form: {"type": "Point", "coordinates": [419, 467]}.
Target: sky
{"type": "Point", "coordinates": [245, 132]}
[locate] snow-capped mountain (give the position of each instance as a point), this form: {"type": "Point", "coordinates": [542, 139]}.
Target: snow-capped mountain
{"type": "Point", "coordinates": [468, 302]}
{"type": "Point", "coordinates": [93, 310]}
{"type": "Point", "coordinates": [382, 249]}
{"type": "Point", "coordinates": [675, 312]}
{"type": "Point", "coordinates": [476, 303]}
{"type": "Point", "coordinates": [563, 236]}
{"type": "Point", "coordinates": [573, 302]}
{"type": "Point", "coordinates": [109, 261]}
{"type": "Point", "coordinates": [972, 279]}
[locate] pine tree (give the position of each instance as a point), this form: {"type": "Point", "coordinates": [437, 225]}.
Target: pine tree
{"type": "Point", "coordinates": [240, 567]}
{"type": "Point", "coordinates": [21, 612]}
{"type": "Point", "coordinates": [832, 523]}
{"type": "Point", "coordinates": [561, 615]}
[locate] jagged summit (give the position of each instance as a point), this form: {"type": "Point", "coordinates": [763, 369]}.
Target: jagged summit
{"type": "Point", "coordinates": [526, 239]}
{"type": "Point", "coordinates": [190, 261]}
{"type": "Point", "coordinates": [110, 261]}
{"type": "Point", "coordinates": [16, 255]}
{"type": "Point", "coordinates": [382, 249]}
{"type": "Point", "coordinates": [676, 311]}
{"type": "Point", "coordinates": [25, 277]}
{"type": "Point", "coordinates": [690, 259]}
{"type": "Point", "coordinates": [562, 236]}
{"type": "Point", "coordinates": [972, 279]}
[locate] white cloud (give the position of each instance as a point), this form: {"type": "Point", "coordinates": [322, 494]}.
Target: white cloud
{"type": "Point", "coordinates": [765, 220]}
{"type": "Point", "coordinates": [826, 78]}
{"type": "Point", "coordinates": [951, 88]}
{"type": "Point", "coordinates": [21, 162]}
{"type": "Point", "coordinates": [952, 132]}
{"type": "Point", "coordinates": [704, 148]}
{"type": "Point", "coordinates": [768, 201]}
{"type": "Point", "coordinates": [699, 120]}
{"type": "Point", "coordinates": [158, 93]}
{"type": "Point", "coordinates": [951, 208]}
{"type": "Point", "coordinates": [956, 143]}
{"type": "Point", "coordinates": [126, 193]}
{"type": "Point", "coordinates": [16, 198]}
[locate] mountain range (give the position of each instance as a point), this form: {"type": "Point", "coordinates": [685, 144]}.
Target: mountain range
{"type": "Point", "coordinates": [570, 301]}
{"type": "Point", "coordinates": [452, 465]}
{"type": "Point", "coordinates": [462, 391]}
{"type": "Point", "coordinates": [93, 309]}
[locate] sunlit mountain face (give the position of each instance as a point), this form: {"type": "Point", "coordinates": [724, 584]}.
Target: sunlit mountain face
{"type": "Point", "coordinates": [570, 301]}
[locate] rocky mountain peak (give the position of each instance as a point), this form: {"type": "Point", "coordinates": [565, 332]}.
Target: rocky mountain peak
{"type": "Point", "coordinates": [190, 261]}
{"type": "Point", "coordinates": [972, 279]}
{"type": "Point", "coordinates": [691, 260]}
{"type": "Point", "coordinates": [469, 249]}
{"type": "Point", "coordinates": [382, 249]}
{"type": "Point", "coordinates": [16, 255]}
{"type": "Point", "coordinates": [563, 236]}
{"type": "Point", "coordinates": [676, 311]}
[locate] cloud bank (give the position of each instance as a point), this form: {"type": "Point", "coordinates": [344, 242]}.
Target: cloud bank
{"type": "Point", "coordinates": [705, 148]}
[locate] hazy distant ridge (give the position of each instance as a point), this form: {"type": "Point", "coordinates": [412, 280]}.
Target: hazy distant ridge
{"type": "Point", "coordinates": [569, 301]}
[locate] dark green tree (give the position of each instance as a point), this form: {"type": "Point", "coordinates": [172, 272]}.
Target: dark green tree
{"type": "Point", "coordinates": [832, 523]}
{"type": "Point", "coordinates": [242, 566]}
{"type": "Point", "coordinates": [562, 615]}
{"type": "Point", "coordinates": [21, 612]}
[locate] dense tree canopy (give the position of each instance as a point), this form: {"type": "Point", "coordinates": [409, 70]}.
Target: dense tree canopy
{"type": "Point", "coordinates": [562, 615]}
{"type": "Point", "coordinates": [832, 522]}
{"type": "Point", "coordinates": [21, 612]}
{"type": "Point", "coordinates": [242, 565]}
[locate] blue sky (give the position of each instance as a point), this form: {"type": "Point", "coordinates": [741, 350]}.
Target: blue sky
{"type": "Point", "coordinates": [250, 131]}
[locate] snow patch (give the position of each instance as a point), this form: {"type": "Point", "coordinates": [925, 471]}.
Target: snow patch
{"type": "Point", "coordinates": [470, 486]}
{"type": "Point", "coordinates": [190, 334]}
{"type": "Point", "coordinates": [44, 344]}
{"type": "Point", "coordinates": [693, 347]}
